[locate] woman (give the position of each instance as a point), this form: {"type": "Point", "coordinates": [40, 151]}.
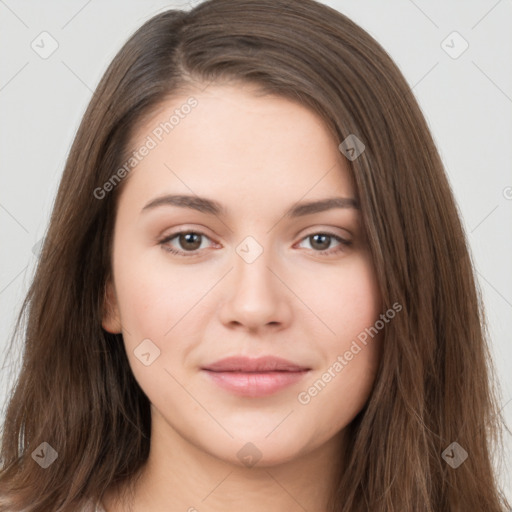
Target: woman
{"type": "Point", "coordinates": [318, 346]}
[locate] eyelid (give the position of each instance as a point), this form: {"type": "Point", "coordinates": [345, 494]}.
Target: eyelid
{"type": "Point", "coordinates": [328, 230]}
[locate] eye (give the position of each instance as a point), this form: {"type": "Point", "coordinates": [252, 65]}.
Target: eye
{"type": "Point", "coordinates": [322, 240]}
{"type": "Point", "coordinates": [191, 243]}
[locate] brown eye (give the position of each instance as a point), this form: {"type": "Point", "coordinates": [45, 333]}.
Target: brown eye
{"type": "Point", "coordinates": [188, 243]}
{"type": "Point", "coordinates": [320, 243]}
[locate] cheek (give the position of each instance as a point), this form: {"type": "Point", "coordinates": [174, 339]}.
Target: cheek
{"type": "Point", "coordinates": [153, 310]}
{"type": "Point", "coordinates": [342, 386]}
{"type": "Point", "coordinates": [151, 298]}
{"type": "Point", "coordinates": [358, 329]}
{"type": "Point", "coordinates": [338, 391]}
{"type": "Point", "coordinates": [350, 300]}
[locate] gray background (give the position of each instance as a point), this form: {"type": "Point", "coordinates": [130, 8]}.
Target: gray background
{"type": "Point", "coordinates": [466, 100]}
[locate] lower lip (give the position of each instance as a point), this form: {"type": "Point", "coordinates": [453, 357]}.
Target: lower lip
{"type": "Point", "coordinates": [255, 384]}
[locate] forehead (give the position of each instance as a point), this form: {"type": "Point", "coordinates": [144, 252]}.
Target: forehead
{"type": "Point", "coordinates": [235, 110]}
{"type": "Point", "coordinates": [237, 143]}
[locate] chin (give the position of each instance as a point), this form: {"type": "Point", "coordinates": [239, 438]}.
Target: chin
{"type": "Point", "coordinates": [259, 451]}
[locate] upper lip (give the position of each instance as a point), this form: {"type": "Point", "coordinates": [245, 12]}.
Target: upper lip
{"type": "Point", "coordinates": [260, 364]}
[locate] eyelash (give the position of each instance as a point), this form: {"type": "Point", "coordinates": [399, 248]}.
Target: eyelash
{"type": "Point", "coordinates": [340, 248]}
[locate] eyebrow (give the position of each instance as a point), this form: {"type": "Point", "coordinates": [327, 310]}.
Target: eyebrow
{"type": "Point", "coordinates": [210, 206]}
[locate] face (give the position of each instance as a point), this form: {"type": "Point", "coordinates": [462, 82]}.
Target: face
{"type": "Point", "coordinates": [244, 268]}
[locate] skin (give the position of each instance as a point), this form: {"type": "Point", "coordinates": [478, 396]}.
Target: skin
{"type": "Point", "coordinates": [258, 156]}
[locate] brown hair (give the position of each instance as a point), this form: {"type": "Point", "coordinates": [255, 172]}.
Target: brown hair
{"type": "Point", "coordinates": [76, 390]}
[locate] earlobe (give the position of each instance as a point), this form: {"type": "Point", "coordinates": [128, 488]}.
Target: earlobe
{"type": "Point", "coordinates": [111, 320]}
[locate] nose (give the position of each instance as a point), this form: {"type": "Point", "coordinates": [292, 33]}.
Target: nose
{"type": "Point", "coordinates": [255, 297]}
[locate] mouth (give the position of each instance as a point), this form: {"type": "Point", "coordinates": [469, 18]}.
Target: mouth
{"type": "Point", "coordinates": [254, 377]}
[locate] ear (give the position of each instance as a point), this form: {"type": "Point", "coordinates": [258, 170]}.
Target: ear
{"type": "Point", "coordinates": [111, 320]}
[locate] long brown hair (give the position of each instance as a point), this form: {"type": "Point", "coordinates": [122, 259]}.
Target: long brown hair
{"type": "Point", "coordinates": [434, 387]}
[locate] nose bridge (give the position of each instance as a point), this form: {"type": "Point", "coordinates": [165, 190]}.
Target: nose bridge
{"type": "Point", "coordinates": [254, 257]}
{"type": "Point", "coordinates": [255, 297]}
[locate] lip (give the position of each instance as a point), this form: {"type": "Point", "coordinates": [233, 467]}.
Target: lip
{"type": "Point", "coordinates": [254, 377]}
{"type": "Point", "coordinates": [256, 365]}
